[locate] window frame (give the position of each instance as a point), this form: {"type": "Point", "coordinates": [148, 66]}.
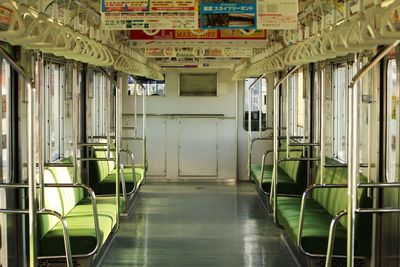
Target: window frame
{"type": "Point", "coordinates": [263, 105]}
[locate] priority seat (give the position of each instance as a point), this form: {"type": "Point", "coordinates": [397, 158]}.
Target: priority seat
{"type": "Point", "coordinates": [77, 209]}
{"type": "Point", "coordinates": [102, 174]}
{"type": "Point", "coordinates": [325, 203]}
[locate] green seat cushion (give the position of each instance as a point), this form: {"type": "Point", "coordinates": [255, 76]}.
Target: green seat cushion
{"type": "Point", "coordinates": [81, 227]}
{"type": "Point", "coordinates": [255, 172]}
{"type": "Point", "coordinates": [316, 225]}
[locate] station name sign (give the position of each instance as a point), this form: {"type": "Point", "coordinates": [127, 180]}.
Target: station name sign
{"type": "Point", "coordinates": [199, 14]}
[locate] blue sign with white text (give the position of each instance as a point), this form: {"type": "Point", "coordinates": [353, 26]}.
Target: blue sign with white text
{"type": "Point", "coordinates": [233, 14]}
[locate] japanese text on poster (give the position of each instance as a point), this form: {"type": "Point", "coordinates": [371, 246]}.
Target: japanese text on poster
{"type": "Point", "coordinates": [150, 14]}
{"type": "Point", "coordinates": [233, 14]}
{"type": "Point", "coordinates": [277, 14]}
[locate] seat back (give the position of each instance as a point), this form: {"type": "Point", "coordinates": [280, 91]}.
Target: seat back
{"type": "Point", "coordinates": [99, 170]}
{"type": "Point", "coordinates": [334, 200]}
{"type": "Point", "coordinates": [296, 170]}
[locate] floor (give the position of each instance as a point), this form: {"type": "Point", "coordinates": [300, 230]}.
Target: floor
{"type": "Point", "coordinates": [198, 225]}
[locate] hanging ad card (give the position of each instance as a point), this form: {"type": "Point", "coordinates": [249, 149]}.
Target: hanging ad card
{"type": "Point", "coordinates": [232, 14]}
{"type": "Point", "coordinates": [5, 17]}
{"type": "Point", "coordinates": [277, 14]}
{"type": "Point", "coordinates": [150, 14]}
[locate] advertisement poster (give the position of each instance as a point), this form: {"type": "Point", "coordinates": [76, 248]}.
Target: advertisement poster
{"type": "Point", "coordinates": [139, 35]}
{"type": "Point", "coordinates": [228, 14]}
{"type": "Point", "coordinates": [277, 14]}
{"type": "Point", "coordinates": [150, 14]}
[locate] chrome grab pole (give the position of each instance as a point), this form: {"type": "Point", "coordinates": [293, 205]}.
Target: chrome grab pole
{"type": "Point", "coordinates": [135, 111]}
{"type": "Point", "coordinates": [109, 86]}
{"type": "Point", "coordinates": [41, 130]}
{"type": "Point", "coordinates": [31, 178]}
{"type": "Point", "coordinates": [273, 195]}
{"type": "Point", "coordinates": [118, 116]}
{"type": "Point", "coordinates": [144, 118]}
{"type": "Point", "coordinates": [322, 124]}
{"type": "Point", "coordinates": [353, 148]}
{"type": "Point", "coordinates": [287, 118]}
{"type": "Point", "coordinates": [75, 120]}
{"type": "Point", "coordinates": [260, 104]}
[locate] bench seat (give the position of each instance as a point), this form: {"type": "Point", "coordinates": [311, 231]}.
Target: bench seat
{"type": "Point", "coordinates": [321, 207]}
{"type": "Point", "coordinates": [107, 185]}
{"type": "Point", "coordinates": [286, 184]}
{"type": "Point", "coordinates": [316, 225]}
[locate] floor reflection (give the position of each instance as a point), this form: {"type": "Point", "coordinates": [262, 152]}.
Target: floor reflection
{"type": "Point", "coordinates": [198, 225]}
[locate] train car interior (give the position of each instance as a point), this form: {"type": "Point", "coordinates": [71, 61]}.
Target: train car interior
{"type": "Point", "coordinates": [200, 133]}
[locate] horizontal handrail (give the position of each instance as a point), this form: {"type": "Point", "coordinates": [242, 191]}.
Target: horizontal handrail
{"type": "Point", "coordinates": [305, 144]}
{"type": "Point", "coordinates": [67, 243]}
{"type": "Point", "coordinates": [58, 164]}
{"type": "Point", "coordinates": [302, 210]}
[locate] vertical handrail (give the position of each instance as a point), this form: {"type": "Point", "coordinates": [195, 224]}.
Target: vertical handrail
{"type": "Point", "coordinates": [108, 121]}
{"type": "Point", "coordinates": [41, 132]}
{"type": "Point", "coordinates": [75, 121]}
{"type": "Point", "coordinates": [31, 179]}
{"type": "Point", "coordinates": [31, 156]}
{"type": "Point", "coordinates": [144, 134]}
{"type": "Point", "coordinates": [353, 148]}
{"type": "Point", "coordinates": [322, 124]}
{"type": "Point", "coordinates": [260, 110]}
{"type": "Point", "coordinates": [118, 116]}
{"type": "Point", "coordinates": [287, 119]}
{"type": "Point", "coordinates": [135, 118]}
{"type": "Point", "coordinates": [273, 194]}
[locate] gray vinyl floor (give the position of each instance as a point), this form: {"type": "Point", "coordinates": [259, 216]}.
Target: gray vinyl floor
{"type": "Point", "coordinates": [197, 224]}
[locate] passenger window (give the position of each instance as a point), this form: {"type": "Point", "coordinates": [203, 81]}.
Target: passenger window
{"type": "Point", "coordinates": [258, 103]}
{"type": "Point", "coordinates": [150, 87]}
{"type": "Point", "coordinates": [5, 81]}
{"type": "Point", "coordinates": [392, 130]}
{"type": "Point", "coordinates": [296, 104]}
{"type": "Point", "coordinates": [341, 75]}
{"type": "Point", "coordinates": [54, 83]}
{"type": "Point", "coordinates": [98, 103]}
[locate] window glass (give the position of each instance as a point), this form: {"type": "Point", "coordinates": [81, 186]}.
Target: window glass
{"type": "Point", "coordinates": [340, 100]}
{"type": "Point", "coordinates": [258, 103]}
{"type": "Point", "coordinates": [54, 110]}
{"type": "Point", "coordinates": [98, 104]}
{"type": "Point", "coordinates": [5, 80]}
{"type": "Point", "coordinates": [198, 84]}
{"type": "Point", "coordinates": [392, 130]}
{"type": "Point", "coordinates": [151, 87]}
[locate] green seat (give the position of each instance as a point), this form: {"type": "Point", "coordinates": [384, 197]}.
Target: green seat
{"type": "Point", "coordinates": [286, 184]}
{"type": "Point", "coordinates": [320, 210]}
{"type": "Point", "coordinates": [103, 176]}
{"type": "Point", "coordinates": [292, 175]}
{"type": "Point", "coordinates": [77, 210]}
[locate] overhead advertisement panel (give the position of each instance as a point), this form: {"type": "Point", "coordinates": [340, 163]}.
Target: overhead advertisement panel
{"type": "Point", "coordinates": [199, 14]}
{"type": "Point", "coordinates": [233, 14]}
{"type": "Point", "coordinates": [149, 14]}
{"type": "Point", "coordinates": [137, 35]}
{"type": "Point", "coordinates": [277, 14]}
